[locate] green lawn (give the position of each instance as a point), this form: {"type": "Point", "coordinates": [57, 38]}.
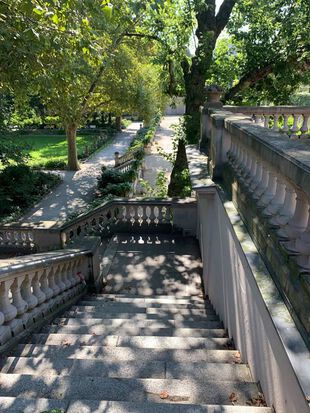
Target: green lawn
{"type": "Point", "coordinates": [50, 151]}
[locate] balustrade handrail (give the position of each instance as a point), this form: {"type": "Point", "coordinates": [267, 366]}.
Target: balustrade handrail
{"type": "Point", "coordinates": [278, 118]}
{"type": "Point", "coordinates": [269, 109]}
{"type": "Point", "coordinates": [127, 157]}
{"type": "Point", "coordinates": [38, 261]}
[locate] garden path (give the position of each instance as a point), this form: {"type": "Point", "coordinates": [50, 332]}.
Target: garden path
{"type": "Point", "coordinates": [77, 188]}
{"type": "Point", "coordinates": [154, 162]}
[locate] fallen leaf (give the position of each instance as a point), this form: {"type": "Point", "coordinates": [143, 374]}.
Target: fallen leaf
{"type": "Point", "coordinates": [164, 395]}
{"type": "Point", "coordinates": [258, 401]}
{"type": "Point", "coordinates": [237, 358]}
{"type": "Point", "coordinates": [308, 398]}
{"type": "Point", "coordinates": [233, 398]}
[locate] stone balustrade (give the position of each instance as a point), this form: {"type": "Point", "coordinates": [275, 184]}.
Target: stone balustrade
{"type": "Point", "coordinates": [268, 177]}
{"type": "Point", "coordinates": [116, 215]}
{"type": "Point", "coordinates": [30, 237]}
{"type": "Point", "coordinates": [291, 120]}
{"type": "Point", "coordinates": [34, 287]}
{"type": "Point", "coordinates": [133, 215]}
{"type": "Point", "coordinates": [128, 157]}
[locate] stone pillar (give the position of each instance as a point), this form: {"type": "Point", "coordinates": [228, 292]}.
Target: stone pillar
{"type": "Point", "coordinates": [116, 158]}
{"type": "Point", "coordinates": [213, 93]}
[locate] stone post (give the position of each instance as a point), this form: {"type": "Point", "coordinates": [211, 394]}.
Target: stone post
{"type": "Point", "coordinates": [116, 158]}
{"type": "Point", "coordinates": [213, 93]}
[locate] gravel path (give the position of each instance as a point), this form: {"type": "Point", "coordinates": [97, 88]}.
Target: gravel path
{"type": "Point", "coordinates": [77, 188]}
{"type": "Point", "coordinates": [154, 162]}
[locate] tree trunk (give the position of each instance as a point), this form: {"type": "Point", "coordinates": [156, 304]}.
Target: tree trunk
{"type": "Point", "coordinates": [73, 163]}
{"type": "Point", "coordinates": [118, 123]}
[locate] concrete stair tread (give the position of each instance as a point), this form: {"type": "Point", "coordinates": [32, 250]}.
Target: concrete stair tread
{"type": "Point", "coordinates": [142, 304]}
{"type": "Point", "coordinates": [129, 369]}
{"type": "Point", "coordinates": [137, 390]}
{"type": "Point", "coordinates": [121, 309]}
{"type": "Point", "coordinates": [101, 313]}
{"type": "Point", "coordinates": [79, 319]}
{"type": "Point", "coordinates": [158, 298]}
{"type": "Point", "coordinates": [18, 404]}
{"type": "Point", "coordinates": [116, 354]}
{"type": "Point", "coordinates": [90, 406]}
{"type": "Point", "coordinates": [135, 331]}
{"type": "Point", "coordinates": [130, 341]}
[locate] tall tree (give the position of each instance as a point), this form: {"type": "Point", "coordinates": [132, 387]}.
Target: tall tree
{"type": "Point", "coordinates": [63, 51]}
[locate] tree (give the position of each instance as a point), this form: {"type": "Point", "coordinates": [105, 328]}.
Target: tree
{"type": "Point", "coordinates": [62, 51]}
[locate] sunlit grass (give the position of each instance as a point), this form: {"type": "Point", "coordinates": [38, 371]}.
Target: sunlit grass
{"type": "Point", "coordinates": [47, 148]}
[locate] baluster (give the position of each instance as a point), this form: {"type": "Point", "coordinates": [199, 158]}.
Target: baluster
{"type": "Point", "coordinates": [286, 212]}
{"type": "Point", "coordinates": [275, 126]}
{"type": "Point", "coordinates": [285, 127]}
{"type": "Point", "coordinates": [257, 179]}
{"type": "Point", "coordinates": [160, 215]}
{"type": "Point", "coordinates": [270, 191]}
{"type": "Point", "coordinates": [262, 186]}
{"type": "Point", "coordinates": [8, 310]}
{"type": "Point", "coordinates": [304, 128]}
{"type": "Point", "coordinates": [152, 215]}
{"type": "Point", "coordinates": [252, 172]}
{"type": "Point", "coordinates": [278, 201]}
{"type": "Point", "coordinates": [65, 275]}
{"type": "Point", "coordinates": [39, 294]}
{"type": "Point", "coordinates": [300, 245]}
{"type": "Point", "coordinates": [17, 300]}
{"type": "Point", "coordinates": [298, 223]}
{"type": "Point", "coordinates": [266, 120]}
{"type": "Point", "coordinates": [30, 298]}
{"type": "Point", "coordinates": [52, 283]}
{"type": "Point", "coordinates": [58, 278]}
{"type": "Point", "coordinates": [46, 290]}
{"type": "Point", "coordinates": [295, 127]}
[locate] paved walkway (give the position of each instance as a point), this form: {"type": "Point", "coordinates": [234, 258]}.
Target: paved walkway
{"type": "Point", "coordinates": [77, 188]}
{"type": "Point", "coordinates": [154, 162]}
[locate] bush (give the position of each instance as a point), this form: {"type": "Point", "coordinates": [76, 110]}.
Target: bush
{"type": "Point", "coordinates": [21, 187]}
{"type": "Point", "coordinates": [118, 190]}
{"type": "Point", "coordinates": [55, 164]}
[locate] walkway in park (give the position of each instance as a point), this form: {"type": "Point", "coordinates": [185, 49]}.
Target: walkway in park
{"type": "Point", "coordinates": [154, 161]}
{"type": "Point", "coordinates": [77, 188]}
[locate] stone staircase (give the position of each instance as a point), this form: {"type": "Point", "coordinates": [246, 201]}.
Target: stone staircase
{"type": "Point", "coordinates": [143, 346]}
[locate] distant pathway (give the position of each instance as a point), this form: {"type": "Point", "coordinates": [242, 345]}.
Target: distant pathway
{"type": "Point", "coordinates": [77, 188]}
{"type": "Point", "coordinates": [154, 162]}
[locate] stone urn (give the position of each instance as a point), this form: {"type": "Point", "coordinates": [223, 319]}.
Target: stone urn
{"type": "Point", "coordinates": [213, 93]}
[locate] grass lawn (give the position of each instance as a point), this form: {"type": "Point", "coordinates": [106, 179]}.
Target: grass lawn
{"type": "Point", "coordinates": [50, 151]}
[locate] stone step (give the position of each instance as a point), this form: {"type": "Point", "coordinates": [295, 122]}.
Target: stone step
{"type": "Point", "coordinates": [88, 320]}
{"type": "Point", "coordinates": [101, 313]}
{"type": "Point", "coordinates": [130, 341]}
{"type": "Point", "coordinates": [126, 369]}
{"type": "Point", "coordinates": [143, 305]}
{"type": "Point", "coordinates": [90, 406]}
{"type": "Point", "coordinates": [18, 405]}
{"type": "Point", "coordinates": [133, 330]}
{"type": "Point", "coordinates": [135, 390]}
{"type": "Point", "coordinates": [121, 309]}
{"type": "Point", "coordinates": [117, 354]}
{"type": "Point", "coordinates": [160, 299]}
{"type": "Point", "coordinates": [28, 405]}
